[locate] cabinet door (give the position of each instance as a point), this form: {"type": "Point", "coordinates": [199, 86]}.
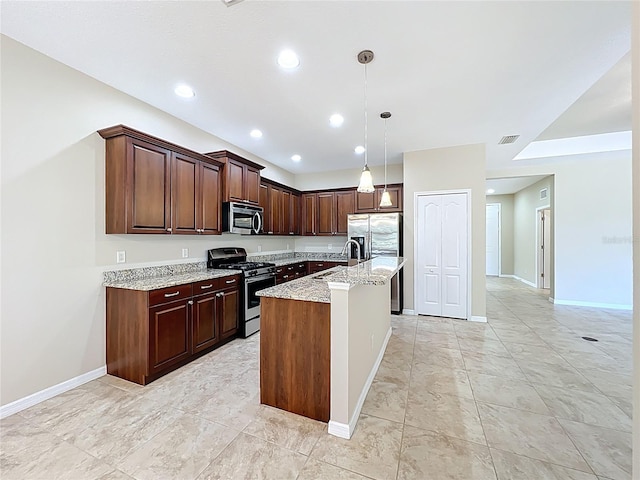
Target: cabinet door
{"type": "Point", "coordinates": [205, 322]}
{"type": "Point", "coordinates": [309, 207]}
{"type": "Point", "coordinates": [149, 194]}
{"type": "Point", "coordinates": [266, 207]}
{"type": "Point", "coordinates": [345, 205]}
{"type": "Point", "coordinates": [395, 193]}
{"type": "Point", "coordinates": [296, 214]}
{"type": "Point", "coordinates": [185, 179]}
{"type": "Point", "coordinates": [365, 202]}
{"type": "Point", "coordinates": [326, 215]}
{"type": "Point", "coordinates": [286, 213]}
{"type": "Point", "coordinates": [229, 312]}
{"type": "Point", "coordinates": [252, 185]}
{"type": "Point", "coordinates": [235, 181]}
{"type": "Point", "coordinates": [276, 210]}
{"type": "Point", "coordinates": [209, 208]}
{"type": "Point", "coordinates": [169, 334]}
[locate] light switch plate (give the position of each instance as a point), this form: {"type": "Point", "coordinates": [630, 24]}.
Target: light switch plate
{"type": "Point", "coordinates": [121, 256]}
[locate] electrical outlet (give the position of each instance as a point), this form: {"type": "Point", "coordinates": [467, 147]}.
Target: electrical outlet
{"type": "Point", "coordinates": [330, 246]}
{"type": "Point", "coordinates": [185, 253]}
{"type": "Point", "coordinates": [121, 256]}
{"type": "Point", "coordinates": [259, 248]}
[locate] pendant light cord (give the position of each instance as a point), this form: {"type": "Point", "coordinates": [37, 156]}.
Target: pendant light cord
{"type": "Point", "coordinates": [385, 154]}
{"type": "Point", "coordinates": [365, 116]}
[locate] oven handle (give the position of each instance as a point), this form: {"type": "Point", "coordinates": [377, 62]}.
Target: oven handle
{"type": "Point", "coordinates": [259, 278]}
{"type": "Point", "coordinates": [259, 227]}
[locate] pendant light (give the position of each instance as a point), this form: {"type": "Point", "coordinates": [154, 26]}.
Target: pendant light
{"type": "Point", "coordinates": [366, 181]}
{"type": "Point", "coordinates": [385, 201]}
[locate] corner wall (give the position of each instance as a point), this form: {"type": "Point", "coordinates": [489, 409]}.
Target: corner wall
{"type": "Point", "coordinates": [54, 249]}
{"type": "Point", "coordinates": [439, 169]}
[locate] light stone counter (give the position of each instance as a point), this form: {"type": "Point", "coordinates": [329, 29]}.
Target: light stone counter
{"type": "Point", "coordinates": [153, 283]}
{"type": "Point", "coordinates": [315, 288]}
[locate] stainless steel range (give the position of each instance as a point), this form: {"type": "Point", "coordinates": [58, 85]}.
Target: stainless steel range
{"type": "Point", "coordinates": [257, 275]}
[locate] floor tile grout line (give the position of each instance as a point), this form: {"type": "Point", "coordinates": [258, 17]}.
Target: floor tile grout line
{"type": "Point", "coordinates": [544, 461]}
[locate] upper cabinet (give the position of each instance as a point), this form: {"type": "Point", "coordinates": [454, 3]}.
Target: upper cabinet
{"type": "Point", "coordinates": [240, 178]}
{"type": "Point", "coordinates": [325, 213]}
{"type": "Point", "coordinates": [370, 202]}
{"type": "Point", "coordinates": [154, 186]}
{"type": "Point", "coordinates": [281, 208]}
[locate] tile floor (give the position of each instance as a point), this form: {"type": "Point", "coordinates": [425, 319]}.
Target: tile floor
{"type": "Point", "coordinates": [523, 397]}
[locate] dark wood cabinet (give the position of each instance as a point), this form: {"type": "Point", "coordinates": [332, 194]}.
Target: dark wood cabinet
{"type": "Point", "coordinates": [275, 210]}
{"type": "Point", "coordinates": [370, 202]}
{"type": "Point", "coordinates": [332, 209]}
{"type": "Point", "coordinates": [240, 177]}
{"type": "Point", "coordinates": [151, 333]}
{"type": "Point", "coordinates": [154, 186]}
{"type": "Point", "coordinates": [281, 207]}
{"type": "Point", "coordinates": [309, 211]}
{"type": "Point", "coordinates": [169, 341]}
{"type": "Point", "coordinates": [296, 214]}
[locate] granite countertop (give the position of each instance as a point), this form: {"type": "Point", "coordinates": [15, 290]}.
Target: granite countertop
{"type": "Point", "coordinates": [315, 288]}
{"type": "Point", "coordinates": [291, 260]}
{"type": "Point", "coordinates": [163, 281]}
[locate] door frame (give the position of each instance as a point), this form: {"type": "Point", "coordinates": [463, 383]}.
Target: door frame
{"type": "Point", "coordinates": [537, 252]}
{"type": "Point", "coordinates": [467, 192]}
{"type": "Point", "coordinates": [499, 236]}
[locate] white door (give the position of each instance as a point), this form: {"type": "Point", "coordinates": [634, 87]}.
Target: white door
{"type": "Point", "coordinates": [442, 255]}
{"type": "Point", "coordinates": [493, 239]}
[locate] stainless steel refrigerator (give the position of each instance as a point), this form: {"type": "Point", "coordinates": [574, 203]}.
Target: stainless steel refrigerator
{"type": "Point", "coordinates": [379, 235]}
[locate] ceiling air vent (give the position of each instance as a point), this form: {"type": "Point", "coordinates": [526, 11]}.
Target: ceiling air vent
{"type": "Point", "coordinates": [508, 139]}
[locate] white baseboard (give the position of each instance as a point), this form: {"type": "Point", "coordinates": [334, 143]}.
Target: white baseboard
{"type": "Point", "coordinates": [507, 275]}
{"type": "Point", "coordinates": [552, 300]}
{"type": "Point", "coordinates": [47, 393]}
{"type": "Point", "coordinates": [477, 318]}
{"type": "Point", "coordinates": [406, 311]}
{"type": "Point", "coordinates": [527, 282]}
{"type": "Point", "coordinates": [345, 431]}
{"type": "Point", "coordinates": [576, 303]}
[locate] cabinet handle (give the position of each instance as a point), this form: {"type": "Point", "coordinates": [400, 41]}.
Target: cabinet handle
{"type": "Point", "coordinates": [169, 230]}
{"type": "Point", "coordinates": [190, 302]}
{"type": "Point", "coordinates": [230, 281]}
{"type": "Point", "coordinates": [278, 270]}
{"type": "Point", "coordinates": [204, 287]}
{"type": "Point", "coordinates": [167, 295]}
{"type": "Point", "coordinates": [321, 264]}
{"type": "Point", "coordinates": [285, 276]}
{"type": "Point", "coordinates": [221, 294]}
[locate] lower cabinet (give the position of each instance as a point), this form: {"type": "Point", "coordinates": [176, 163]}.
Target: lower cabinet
{"type": "Point", "coordinates": [315, 267]}
{"type": "Point", "coordinates": [150, 333]}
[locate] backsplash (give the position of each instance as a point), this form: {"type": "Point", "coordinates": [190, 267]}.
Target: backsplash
{"type": "Point", "coordinates": [150, 272]}
{"type": "Point", "coordinates": [301, 255]}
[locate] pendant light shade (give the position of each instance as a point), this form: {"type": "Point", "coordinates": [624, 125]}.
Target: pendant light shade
{"type": "Point", "coordinates": [366, 181]}
{"type": "Point", "coordinates": [385, 201]}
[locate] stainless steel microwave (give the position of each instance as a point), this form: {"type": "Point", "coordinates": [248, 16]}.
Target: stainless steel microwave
{"type": "Point", "coordinates": [241, 218]}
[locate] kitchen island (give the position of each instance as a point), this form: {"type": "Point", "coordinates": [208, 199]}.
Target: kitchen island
{"type": "Point", "coordinates": [322, 339]}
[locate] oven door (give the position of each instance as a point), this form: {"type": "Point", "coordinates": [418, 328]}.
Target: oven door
{"type": "Point", "coordinates": [252, 301]}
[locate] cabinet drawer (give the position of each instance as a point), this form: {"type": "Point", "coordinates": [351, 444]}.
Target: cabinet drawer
{"type": "Point", "coordinates": [169, 294]}
{"type": "Point", "coordinates": [301, 267]}
{"type": "Point", "coordinates": [232, 281]}
{"type": "Point", "coordinates": [205, 286]}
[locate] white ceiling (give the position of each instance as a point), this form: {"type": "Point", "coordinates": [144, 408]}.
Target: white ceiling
{"type": "Point", "coordinates": [505, 186]}
{"type": "Point", "coordinates": [451, 73]}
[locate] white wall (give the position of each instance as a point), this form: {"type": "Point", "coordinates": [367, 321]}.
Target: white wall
{"type": "Point", "coordinates": [525, 203]}
{"type": "Point", "coordinates": [448, 169]}
{"type": "Point", "coordinates": [635, 62]}
{"type": "Point", "coordinates": [347, 178]}
{"type": "Point", "coordinates": [320, 244]}
{"type": "Point", "coordinates": [592, 227]}
{"type": "Point", "coordinates": [53, 244]}
{"type": "Point", "coordinates": [506, 231]}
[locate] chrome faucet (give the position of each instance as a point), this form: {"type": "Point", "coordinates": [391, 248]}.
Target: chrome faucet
{"type": "Point", "coordinates": [344, 250]}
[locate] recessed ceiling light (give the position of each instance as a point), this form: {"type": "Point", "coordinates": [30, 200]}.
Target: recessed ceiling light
{"type": "Point", "coordinates": [288, 59]}
{"type": "Point", "coordinates": [336, 120]}
{"type": "Point", "coordinates": [296, 157]}
{"type": "Point", "coordinates": [359, 149]}
{"type": "Point", "coordinates": [490, 191]}
{"type": "Point", "coordinates": [184, 91]}
{"type": "Point", "coordinates": [255, 133]}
